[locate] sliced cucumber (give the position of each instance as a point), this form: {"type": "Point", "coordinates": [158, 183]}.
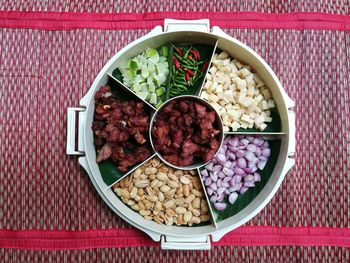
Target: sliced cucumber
{"type": "Point", "coordinates": [147, 73]}
{"type": "Point", "coordinates": [151, 87]}
{"type": "Point", "coordinates": [164, 51]}
{"type": "Point", "coordinates": [159, 104]}
{"type": "Point", "coordinates": [142, 94]}
{"type": "Point", "coordinates": [153, 98]}
{"type": "Point", "coordinates": [160, 91]}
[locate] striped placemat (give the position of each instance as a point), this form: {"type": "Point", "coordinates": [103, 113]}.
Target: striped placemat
{"type": "Point", "coordinates": [49, 56]}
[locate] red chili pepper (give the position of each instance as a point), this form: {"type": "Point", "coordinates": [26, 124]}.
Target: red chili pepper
{"type": "Point", "coordinates": [187, 76]}
{"type": "Point", "coordinates": [178, 51]}
{"type": "Point", "coordinates": [204, 67]}
{"type": "Point", "coordinates": [189, 57]}
{"type": "Point", "coordinates": [198, 56]}
{"type": "Point", "coordinates": [190, 72]}
{"type": "Point", "coordinates": [176, 62]}
{"type": "Point", "coordinates": [194, 53]}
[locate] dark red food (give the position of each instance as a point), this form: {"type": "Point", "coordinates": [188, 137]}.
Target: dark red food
{"type": "Point", "coordinates": [120, 125]}
{"type": "Point", "coordinates": [186, 131]}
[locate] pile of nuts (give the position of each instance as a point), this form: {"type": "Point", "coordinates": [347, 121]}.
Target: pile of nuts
{"type": "Point", "coordinates": [165, 195]}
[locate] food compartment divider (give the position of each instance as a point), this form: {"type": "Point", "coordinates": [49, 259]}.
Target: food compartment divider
{"type": "Point", "coordinates": [110, 174]}
{"type": "Point", "coordinates": [254, 133]}
{"type": "Point", "coordinates": [211, 210]}
{"type": "Point", "coordinates": [170, 63]}
{"type": "Point", "coordinates": [207, 70]}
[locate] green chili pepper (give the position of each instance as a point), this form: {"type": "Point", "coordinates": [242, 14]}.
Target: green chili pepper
{"type": "Point", "coordinates": [177, 56]}
{"type": "Point", "coordinates": [190, 67]}
{"type": "Point", "coordinates": [186, 53]}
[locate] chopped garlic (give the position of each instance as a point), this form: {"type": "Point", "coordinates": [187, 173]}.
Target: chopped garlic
{"type": "Point", "coordinates": [213, 98]}
{"type": "Point", "coordinates": [262, 126]}
{"type": "Point", "coordinates": [264, 105]}
{"type": "Point", "coordinates": [246, 101]}
{"type": "Point", "coordinates": [259, 120]}
{"type": "Point", "coordinates": [241, 83]}
{"type": "Point", "coordinates": [266, 94]}
{"type": "Point", "coordinates": [222, 103]}
{"type": "Point", "coordinates": [213, 69]}
{"type": "Point", "coordinates": [270, 104]}
{"type": "Point", "coordinates": [222, 55]}
{"type": "Point", "coordinates": [268, 119]}
{"type": "Point", "coordinates": [205, 95]}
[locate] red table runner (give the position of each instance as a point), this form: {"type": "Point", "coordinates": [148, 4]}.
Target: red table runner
{"type": "Point", "coordinates": [49, 57]}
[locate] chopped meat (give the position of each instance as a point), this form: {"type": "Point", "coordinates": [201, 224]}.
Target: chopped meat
{"type": "Point", "coordinates": [139, 138]}
{"type": "Point", "coordinates": [210, 116]}
{"type": "Point", "coordinates": [100, 110]}
{"type": "Point", "coordinates": [208, 155]}
{"type": "Point", "coordinates": [140, 154]}
{"type": "Point", "coordinates": [188, 119]}
{"type": "Point", "coordinates": [169, 108]}
{"type": "Point", "coordinates": [139, 121]}
{"type": "Point", "coordinates": [185, 161]}
{"type": "Point", "coordinates": [161, 132]}
{"type": "Point", "coordinates": [178, 138]}
{"type": "Point", "coordinates": [201, 110]}
{"type": "Point", "coordinates": [114, 135]}
{"type": "Point", "coordinates": [99, 142]}
{"type": "Point", "coordinates": [103, 90]}
{"type": "Point", "coordinates": [188, 148]}
{"type": "Point", "coordinates": [186, 131]}
{"type": "Point", "coordinates": [207, 129]}
{"type": "Point", "coordinates": [171, 158]}
{"type": "Point", "coordinates": [214, 144]}
{"type": "Point", "coordinates": [104, 153]}
{"type": "Point", "coordinates": [120, 125]}
{"type": "Point", "coordinates": [183, 106]}
{"type": "Point", "coordinates": [128, 109]}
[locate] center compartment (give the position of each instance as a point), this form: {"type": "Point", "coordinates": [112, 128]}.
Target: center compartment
{"type": "Point", "coordinates": [186, 129]}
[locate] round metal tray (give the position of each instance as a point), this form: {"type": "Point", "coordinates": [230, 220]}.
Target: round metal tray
{"type": "Point", "coordinates": [174, 237]}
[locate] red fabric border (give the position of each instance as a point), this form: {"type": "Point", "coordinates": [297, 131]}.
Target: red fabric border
{"type": "Point", "coordinates": [254, 20]}
{"type": "Point", "coordinates": [243, 236]}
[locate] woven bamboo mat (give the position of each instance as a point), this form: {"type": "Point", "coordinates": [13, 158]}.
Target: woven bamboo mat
{"type": "Point", "coordinates": [42, 72]}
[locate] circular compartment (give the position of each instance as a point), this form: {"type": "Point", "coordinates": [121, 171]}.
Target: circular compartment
{"type": "Point", "coordinates": [194, 237]}
{"type": "Point", "coordinates": [217, 125]}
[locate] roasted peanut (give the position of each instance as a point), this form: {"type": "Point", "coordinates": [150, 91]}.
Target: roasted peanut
{"type": "Point", "coordinates": [164, 195]}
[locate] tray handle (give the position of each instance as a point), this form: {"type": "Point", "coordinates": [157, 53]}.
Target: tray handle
{"type": "Point", "coordinates": [71, 148]}
{"type": "Point", "coordinates": [172, 25]}
{"type": "Point", "coordinates": [185, 243]}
